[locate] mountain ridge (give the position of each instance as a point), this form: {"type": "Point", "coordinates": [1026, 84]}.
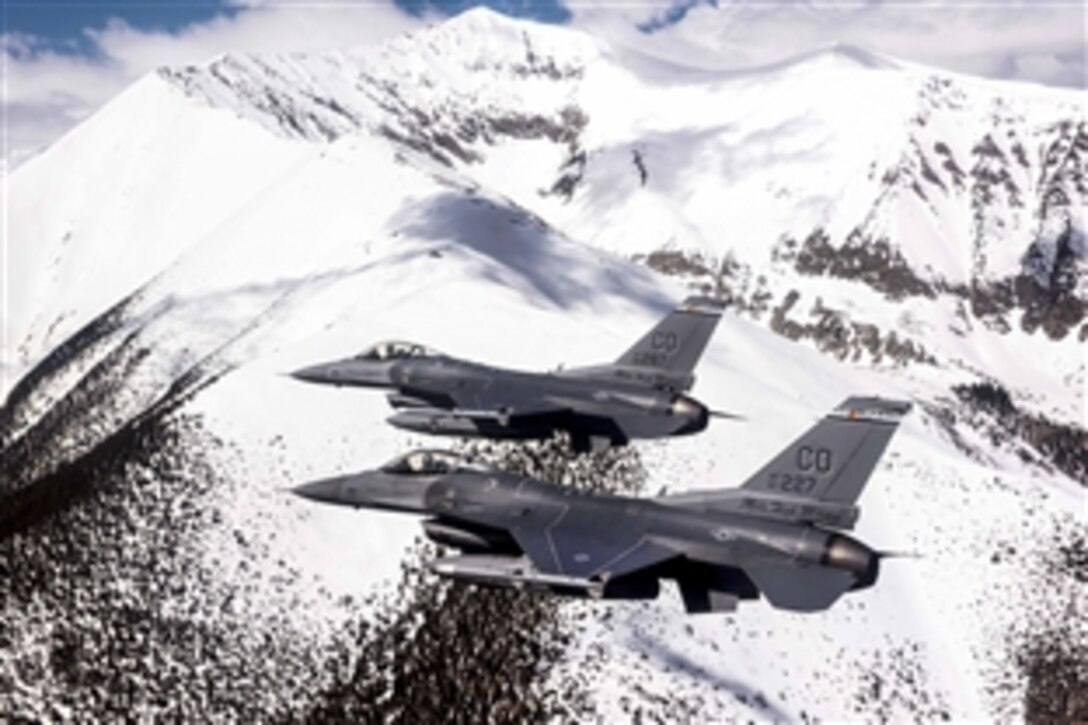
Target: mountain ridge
{"type": "Point", "coordinates": [531, 213]}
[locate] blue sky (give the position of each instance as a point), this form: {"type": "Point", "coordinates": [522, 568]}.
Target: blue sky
{"type": "Point", "coordinates": [60, 24]}
{"type": "Point", "coordinates": [66, 18]}
{"type": "Point", "coordinates": [64, 58]}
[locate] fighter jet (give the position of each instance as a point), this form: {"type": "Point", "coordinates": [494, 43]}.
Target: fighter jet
{"type": "Point", "coordinates": [638, 396]}
{"type": "Point", "coordinates": [778, 535]}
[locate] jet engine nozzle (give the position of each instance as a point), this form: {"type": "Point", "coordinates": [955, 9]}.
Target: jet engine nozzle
{"type": "Point", "coordinates": [695, 414]}
{"type": "Point", "coordinates": [852, 556]}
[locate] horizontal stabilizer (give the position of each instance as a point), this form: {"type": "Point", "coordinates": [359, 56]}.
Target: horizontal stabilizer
{"type": "Point", "coordinates": [810, 589]}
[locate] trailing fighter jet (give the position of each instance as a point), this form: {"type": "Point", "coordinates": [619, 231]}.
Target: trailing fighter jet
{"type": "Point", "coordinates": [638, 396]}
{"type": "Point", "coordinates": [777, 535]}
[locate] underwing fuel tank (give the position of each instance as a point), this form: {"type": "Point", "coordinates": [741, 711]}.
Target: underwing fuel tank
{"type": "Point", "coordinates": [399, 401]}
{"type": "Point", "coordinates": [432, 421]}
{"type": "Point", "coordinates": [440, 422]}
{"type": "Point", "coordinates": [517, 572]}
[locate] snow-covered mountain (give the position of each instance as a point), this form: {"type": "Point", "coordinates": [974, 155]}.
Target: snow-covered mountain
{"type": "Point", "coordinates": [533, 196]}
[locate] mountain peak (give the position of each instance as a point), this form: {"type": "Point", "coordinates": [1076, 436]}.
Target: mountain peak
{"type": "Point", "coordinates": [481, 28]}
{"type": "Point", "coordinates": [481, 15]}
{"type": "Point", "coordinates": [840, 55]}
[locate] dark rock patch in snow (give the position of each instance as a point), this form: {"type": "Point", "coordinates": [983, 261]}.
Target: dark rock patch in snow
{"type": "Point", "coordinates": [640, 166]}
{"type": "Point", "coordinates": [570, 176]}
{"type": "Point", "coordinates": [676, 263]}
{"type": "Point", "coordinates": [112, 610]}
{"type": "Point", "coordinates": [109, 612]}
{"type": "Point", "coordinates": [1045, 642]}
{"type": "Point", "coordinates": [834, 333]}
{"type": "Point", "coordinates": [874, 262]}
{"type": "Point", "coordinates": [894, 683]}
{"type": "Point", "coordinates": [25, 401]}
{"type": "Point", "coordinates": [1047, 291]}
{"type": "Point", "coordinates": [443, 651]}
{"type": "Point", "coordinates": [1061, 445]}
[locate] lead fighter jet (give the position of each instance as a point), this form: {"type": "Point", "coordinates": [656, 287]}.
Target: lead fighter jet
{"type": "Point", "coordinates": [638, 396]}
{"type": "Point", "coordinates": [776, 535]}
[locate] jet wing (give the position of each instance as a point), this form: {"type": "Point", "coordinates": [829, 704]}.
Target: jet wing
{"type": "Point", "coordinates": [504, 402]}
{"type": "Point", "coordinates": [559, 539]}
{"type": "Point", "coordinates": [517, 401]}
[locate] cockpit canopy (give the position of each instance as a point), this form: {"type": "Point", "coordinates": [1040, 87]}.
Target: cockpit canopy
{"type": "Point", "coordinates": [396, 350]}
{"type": "Point", "coordinates": [428, 462]}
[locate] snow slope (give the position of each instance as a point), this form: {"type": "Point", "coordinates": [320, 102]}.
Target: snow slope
{"type": "Point", "coordinates": [953, 206]}
{"type": "Point", "coordinates": [281, 211]}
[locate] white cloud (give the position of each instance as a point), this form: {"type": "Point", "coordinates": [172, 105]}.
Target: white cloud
{"type": "Point", "coordinates": [46, 92]}
{"type": "Point", "coordinates": [1036, 41]}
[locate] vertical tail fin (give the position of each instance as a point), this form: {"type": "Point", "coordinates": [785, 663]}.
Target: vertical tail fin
{"type": "Point", "coordinates": [670, 351]}
{"type": "Point", "coordinates": [833, 460]}
{"type": "Point", "coordinates": [819, 477]}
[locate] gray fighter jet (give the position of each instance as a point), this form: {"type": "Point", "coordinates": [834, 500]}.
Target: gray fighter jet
{"type": "Point", "coordinates": [777, 535]}
{"type": "Point", "coordinates": [638, 396]}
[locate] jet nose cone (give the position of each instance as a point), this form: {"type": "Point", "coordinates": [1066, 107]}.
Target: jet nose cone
{"type": "Point", "coordinates": [314, 374]}
{"type": "Point", "coordinates": [325, 491]}
{"type": "Point", "coordinates": [370, 489]}
{"type": "Point", "coordinates": [363, 373]}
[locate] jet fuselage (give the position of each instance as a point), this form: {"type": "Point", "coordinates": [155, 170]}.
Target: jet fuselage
{"type": "Point", "coordinates": [509, 404]}
{"type": "Point", "coordinates": [640, 395]}
{"type": "Point", "coordinates": [777, 535]}
{"type": "Point", "coordinates": [597, 545]}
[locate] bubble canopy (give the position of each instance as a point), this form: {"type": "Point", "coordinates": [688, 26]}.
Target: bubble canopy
{"type": "Point", "coordinates": [428, 462]}
{"type": "Point", "coordinates": [396, 350]}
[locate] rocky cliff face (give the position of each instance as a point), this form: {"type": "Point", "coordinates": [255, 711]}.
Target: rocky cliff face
{"type": "Point", "coordinates": [442, 94]}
